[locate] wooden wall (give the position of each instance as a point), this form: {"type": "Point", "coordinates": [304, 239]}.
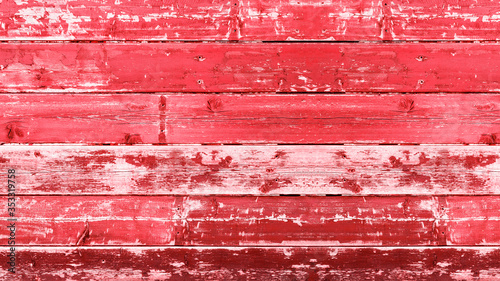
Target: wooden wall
{"type": "Point", "coordinates": [250, 139]}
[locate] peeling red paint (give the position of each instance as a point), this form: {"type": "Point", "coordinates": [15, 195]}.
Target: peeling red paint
{"type": "Point", "coordinates": [218, 74]}
{"type": "Point", "coordinates": [149, 161]}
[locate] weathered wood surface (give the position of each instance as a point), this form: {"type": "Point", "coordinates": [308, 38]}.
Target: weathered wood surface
{"type": "Point", "coordinates": [250, 118]}
{"type": "Point", "coordinates": [194, 212]}
{"type": "Point", "coordinates": [343, 20]}
{"type": "Point", "coordinates": [263, 221]}
{"type": "Point", "coordinates": [253, 170]}
{"type": "Point", "coordinates": [185, 20]}
{"type": "Point", "coordinates": [68, 118]}
{"type": "Point", "coordinates": [260, 263]}
{"type": "Point", "coordinates": [258, 67]}
{"type": "Point", "coordinates": [442, 20]}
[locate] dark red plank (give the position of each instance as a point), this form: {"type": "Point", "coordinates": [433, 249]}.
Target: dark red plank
{"type": "Point", "coordinates": [276, 67]}
{"type": "Point", "coordinates": [269, 169]}
{"type": "Point", "coordinates": [277, 263]}
{"type": "Point", "coordinates": [230, 221]}
{"type": "Point", "coordinates": [125, 119]}
{"type": "Point", "coordinates": [250, 119]}
{"type": "Point", "coordinates": [263, 221]}
{"type": "Point", "coordinates": [442, 20]}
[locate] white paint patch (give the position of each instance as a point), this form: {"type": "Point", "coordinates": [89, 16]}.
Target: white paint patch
{"type": "Point", "coordinates": [192, 204]}
{"type": "Point", "coordinates": [443, 264]}
{"type": "Point", "coordinates": [177, 264]}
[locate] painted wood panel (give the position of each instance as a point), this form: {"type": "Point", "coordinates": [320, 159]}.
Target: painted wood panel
{"type": "Point", "coordinates": [264, 220]}
{"type": "Point", "coordinates": [250, 118]}
{"type": "Point", "coordinates": [255, 263]}
{"type": "Point", "coordinates": [69, 118]}
{"type": "Point", "coordinates": [253, 170]}
{"type": "Point", "coordinates": [249, 20]}
{"type": "Point", "coordinates": [229, 221]}
{"type": "Point", "coordinates": [117, 77]}
{"type": "Point", "coordinates": [257, 67]}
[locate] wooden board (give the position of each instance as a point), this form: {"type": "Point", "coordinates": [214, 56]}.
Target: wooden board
{"type": "Point", "coordinates": [257, 67]}
{"type": "Point", "coordinates": [251, 20]}
{"type": "Point", "coordinates": [250, 118]}
{"type": "Point", "coordinates": [253, 170]}
{"type": "Point", "coordinates": [264, 220]}
{"type": "Point", "coordinates": [68, 118]}
{"type": "Point", "coordinates": [259, 263]}
{"type": "Point", "coordinates": [229, 221]}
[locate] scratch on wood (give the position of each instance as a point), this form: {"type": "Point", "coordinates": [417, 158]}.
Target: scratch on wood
{"type": "Point", "coordinates": [84, 235]}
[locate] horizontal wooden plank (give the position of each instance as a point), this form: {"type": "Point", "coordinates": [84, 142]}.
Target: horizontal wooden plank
{"type": "Point", "coordinates": [343, 20]}
{"type": "Point", "coordinates": [277, 263]}
{"type": "Point", "coordinates": [267, 169]}
{"type": "Point", "coordinates": [184, 20]}
{"type": "Point", "coordinates": [250, 119]}
{"type": "Point", "coordinates": [65, 118]}
{"type": "Point", "coordinates": [259, 67]}
{"type": "Point", "coordinates": [231, 221]}
{"type": "Point", "coordinates": [263, 221]}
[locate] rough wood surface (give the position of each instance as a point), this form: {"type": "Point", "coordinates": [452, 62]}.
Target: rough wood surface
{"type": "Point", "coordinates": [243, 263]}
{"type": "Point", "coordinates": [185, 20]}
{"type": "Point", "coordinates": [263, 221]}
{"type": "Point", "coordinates": [253, 170]}
{"type": "Point", "coordinates": [119, 76]}
{"type": "Point", "coordinates": [250, 118]}
{"type": "Point", "coordinates": [272, 67]}
{"type": "Point", "coordinates": [65, 118]}
{"type": "Point", "coordinates": [344, 20]}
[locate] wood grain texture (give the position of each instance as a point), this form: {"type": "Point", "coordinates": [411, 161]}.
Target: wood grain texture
{"type": "Point", "coordinates": [258, 67]}
{"type": "Point", "coordinates": [125, 119]}
{"type": "Point", "coordinates": [250, 20]}
{"type": "Point", "coordinates": [250, 118]}
{"type": "Point", "coordinates": [442, 20]}
{"type": "Point", "coordinates": [263, 221]}
{"type": "Point", "coordinates": [230, 221]}
{"type": "Point", "coordinates": [253, 170]}
{"type": "Point", "coordinates": [119, 76]}
{"type": "Point", "coordinates": [243, 263]}
{"type": "Point", "coordinates": [187, 20]}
